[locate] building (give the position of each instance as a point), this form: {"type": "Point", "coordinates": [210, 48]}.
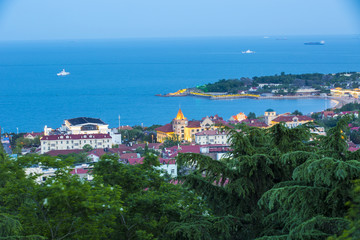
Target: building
{"type": "Point", "coordinates": [238, 117]}
{"type": "Point", "coordinates": [271, 119]}
{"type": "Point", "coordinates": [33, 135]}
{"type": "Point", "coordinates": [85, 125]}
{"type": "Point", "coordinates": [345, 92]}
{"type": "Point", "coordinates": [269, 115]}
{"type": "Point", "coordinates": [74, 141]}
{"type": "Point", "coordinates": [183, 129]}
{"type": "Point", "coordinates": [292, 121]}
{"type": "Point", "coordinates": [211, 137]}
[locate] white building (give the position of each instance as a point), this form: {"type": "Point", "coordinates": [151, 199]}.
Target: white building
{"type": "Point", "coordinates": [169, 166]}
{"type": "Point", "coordinates": [76, 131]}
{"type": "Point", "coordinates": [63, 142]}
{"type": "Point", "coordinates": [85, 125]}
{"type": "Point", "coordinates": [211, 137]}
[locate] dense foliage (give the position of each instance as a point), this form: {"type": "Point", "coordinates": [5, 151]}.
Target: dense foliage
{"type": "Point", "coordinates": [277, 183]}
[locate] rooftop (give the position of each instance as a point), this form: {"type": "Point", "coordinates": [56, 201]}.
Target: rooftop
{"type": "Point", "coordinates": [290, 118]}
{"type": "Point", "coordinates": [85, 120]}
{"type": "Point", "coordinates": [166, 128]}
{"type": "Point", "coordinates": [75, 136]}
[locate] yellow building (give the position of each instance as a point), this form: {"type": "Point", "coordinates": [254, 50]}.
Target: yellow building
{"type": "Point", "coordinates": [345, 92]}
{"type": "Point", "coordinates": [182, 129]}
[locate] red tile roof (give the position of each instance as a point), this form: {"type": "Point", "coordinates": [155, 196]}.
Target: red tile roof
{"type": "Point", "coordinates": [128, 155]}
{"type": "Point", "coordinates": [166, 128]}
{"type": "Point", "coordinates": [133, 161]}
{"type": "Point", "coordinates": [290, 118]}
{"type": "Point", "coordinates": [63, 152]}
{"type": "Point", "coordinates": [79, 171]}
{"type": "Point", "coordinates": [167, 161]}
{"type": "Point", "coordinates": [257, 124]}
{"type": "Point", "coordinates": [193, 124]}
{"type": "Point", "coordinates": [99, 152]}
{"type": "Point", "coordinates": [353, 149]}
{"type": "Point", "coordinates": [75, 136]}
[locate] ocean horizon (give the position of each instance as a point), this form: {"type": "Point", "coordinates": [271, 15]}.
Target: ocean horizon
{"type": "Point", "coordinates": [109, 78]}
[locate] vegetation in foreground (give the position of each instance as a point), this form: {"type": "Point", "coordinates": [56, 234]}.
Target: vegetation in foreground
{"type": "Point", "coordinates": [276, 184]}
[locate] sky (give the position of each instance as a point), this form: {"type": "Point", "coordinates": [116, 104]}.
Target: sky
{"type": "Point", "coordinates": [106, 19]}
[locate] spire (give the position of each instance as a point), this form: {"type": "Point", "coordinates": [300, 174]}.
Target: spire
{"type": "Point", "coordinates": [180, 115]}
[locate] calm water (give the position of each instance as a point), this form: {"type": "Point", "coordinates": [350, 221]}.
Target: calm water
{"type": "Point", "coordinates": [115, 77]}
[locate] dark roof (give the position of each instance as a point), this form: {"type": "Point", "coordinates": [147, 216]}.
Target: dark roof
{"type": "Point", "coordinates": [165, 128]}
{"type": "Point", "coordinates": [75, 136]}
{"type": "Point", "coordinates": [289, 118]}
{"type": "Point", "coordinates": [83, 120]}
{"type": "Point", "coordinates": [270, 110]}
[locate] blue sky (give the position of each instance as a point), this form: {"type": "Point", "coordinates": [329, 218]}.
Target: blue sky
{"type": "Point", "coordinates": [88, 19]}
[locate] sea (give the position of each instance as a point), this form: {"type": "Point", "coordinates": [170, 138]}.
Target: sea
{"type": "Point", "coordinates": [112, 78]}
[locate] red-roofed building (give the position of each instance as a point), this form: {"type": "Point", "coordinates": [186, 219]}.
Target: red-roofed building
{"type": "Point", "coordinates": [127, 156]}
{"type": "Point", "coordinates": [292, 121]}
{"type": "Point", "coordinates": [33, 135]}
{"type": "Point", "coordinates": [83, 173]}
{"type": "Point", "coordinates": [63, 152]}
{"type": "Point", "coordinates": [74, 141]}
{"type": "Point", "coordinates": [255, 123]}
{"type": "Point", "coordinates": [353, 149]}
{"type": "Point", "coordinates": [185, 130]}
{"type": "Point", "coordinates": [211, 137]}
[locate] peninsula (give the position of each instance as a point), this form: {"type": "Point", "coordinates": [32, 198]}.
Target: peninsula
{"type": "Point", "coordinates": [342, 87]}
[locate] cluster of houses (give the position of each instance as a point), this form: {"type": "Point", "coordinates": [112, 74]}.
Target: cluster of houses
{"type": "Point", "coordinates": [206, 136]}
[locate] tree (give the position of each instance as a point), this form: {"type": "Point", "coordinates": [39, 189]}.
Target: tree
{"type": "Point", "coordinates": [278, 183]}
{"type": "Point", "coordinates": [297, 112]}
{"type": "Point", "coordinates": [87, 147]}
{"type": "Point", "coordinates": [251, 115]}
{"type": "Point", "coordinates": [355, 137]}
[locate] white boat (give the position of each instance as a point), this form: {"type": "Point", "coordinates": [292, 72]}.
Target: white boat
{"type": "Point", "coordinates": [248, 51]}
{"type": "Point", "coordinates": [63, 73]}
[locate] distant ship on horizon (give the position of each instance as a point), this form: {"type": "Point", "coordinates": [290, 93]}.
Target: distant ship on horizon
{"type": "Point", "coordinates": [315, 43]}
{"type": "Point", "coordinates": [248, 51]}
{"type": "Point", "coordinates": [63, 73]}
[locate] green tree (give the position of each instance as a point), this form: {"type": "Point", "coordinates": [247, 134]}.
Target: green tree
{"type": "Point", "coordinates": [87, 147]}
{"type": "Point", "coordinates": [251, 115]}
{"type": "Point", "coordinates": [297, 112]}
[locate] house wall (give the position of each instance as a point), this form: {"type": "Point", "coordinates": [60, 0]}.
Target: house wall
{"type": "Point", "coordinates": [64, 144]}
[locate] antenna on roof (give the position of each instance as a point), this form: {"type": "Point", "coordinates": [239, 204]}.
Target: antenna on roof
{"type": "Point", "coordinates": [119, 122]}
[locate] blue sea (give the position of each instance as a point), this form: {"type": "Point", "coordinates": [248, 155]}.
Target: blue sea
{"type": "Point", "coordinates": [121, 77]}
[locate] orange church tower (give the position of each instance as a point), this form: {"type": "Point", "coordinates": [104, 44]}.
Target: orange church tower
{"type": "Point", "coordinates": [179, 123]}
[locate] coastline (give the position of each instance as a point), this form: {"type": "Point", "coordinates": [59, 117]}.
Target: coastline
{"type": "Point", "coordinates": [340, 101]}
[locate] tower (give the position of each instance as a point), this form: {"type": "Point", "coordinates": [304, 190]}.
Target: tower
{"type": "Point", "coordinates": [269, 115]}
{"type": "Point", "coordinates": [179, 123]}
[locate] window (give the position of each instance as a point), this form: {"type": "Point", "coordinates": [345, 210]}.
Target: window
{"type": "Point", "coordinates": [172, 171]}
{"type": "Point", "coordinates": [67, 142]}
